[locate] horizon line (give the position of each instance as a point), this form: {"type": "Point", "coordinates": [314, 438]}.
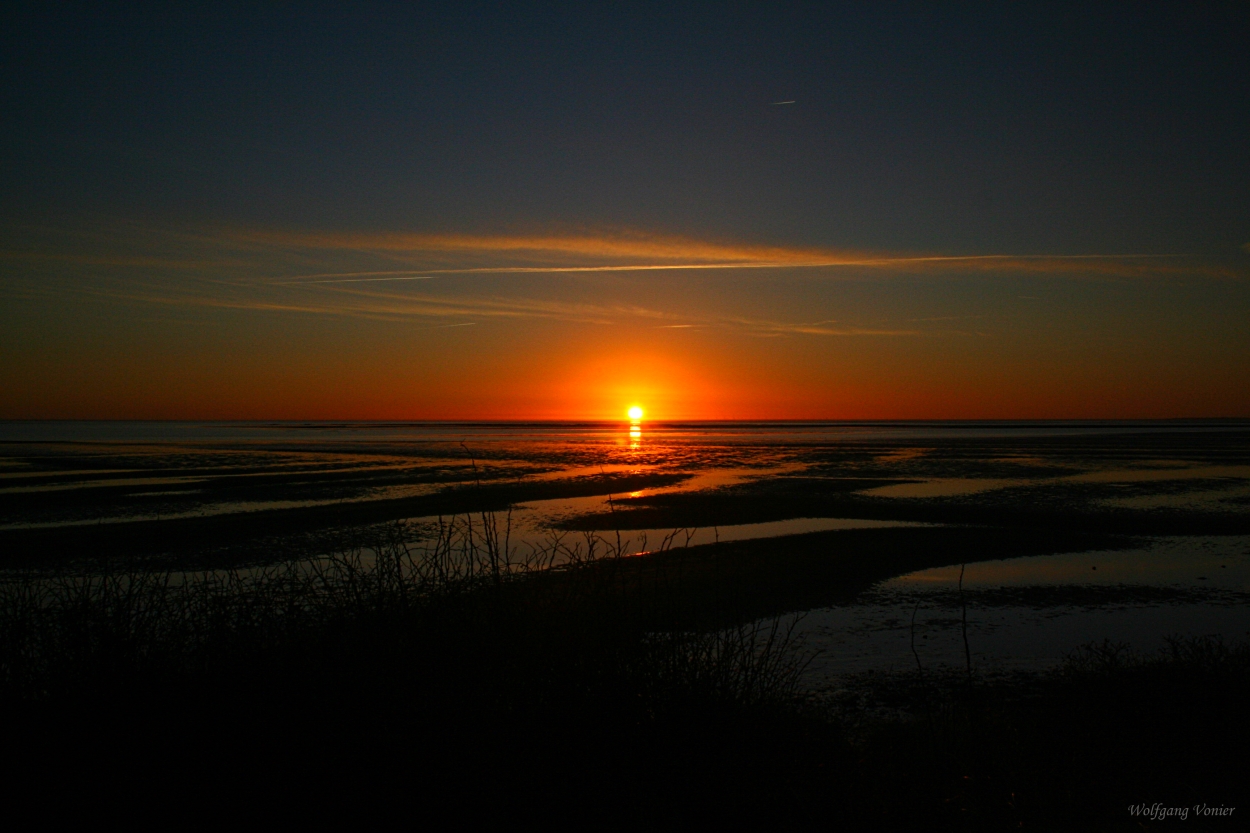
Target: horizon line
{"type": "Point", "coordinates": [621, 420]}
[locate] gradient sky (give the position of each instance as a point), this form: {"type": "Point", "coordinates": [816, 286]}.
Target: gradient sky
{"type": "Point", "coordinates": [553, 211]}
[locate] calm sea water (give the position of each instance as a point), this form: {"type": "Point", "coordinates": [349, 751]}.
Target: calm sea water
{"type": "Point", "coordinates": [809, 431]}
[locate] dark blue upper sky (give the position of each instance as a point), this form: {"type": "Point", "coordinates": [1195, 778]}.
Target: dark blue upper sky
{"type": "Point", "coordinates": [930, 127]}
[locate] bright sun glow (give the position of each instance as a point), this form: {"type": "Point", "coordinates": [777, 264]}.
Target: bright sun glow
{"type": "Point", "coordinates": [635, 413]}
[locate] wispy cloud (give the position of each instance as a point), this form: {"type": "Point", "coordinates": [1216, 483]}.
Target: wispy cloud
{"type": "Point", "coordinates": [453, 254]}
{"type": "Point", "coordinates": [373, 280]}
{"type": "Point", "coordinates": [384, 276]}
{"type": "Point", "coordinates": [367, 257]}
{"type": "Point", "coordinates": [339, 301]}
{"type": "Point", "coordinates": [817, 328]}
{"type": "Point", "coordinates": [110, 260]}
{"type": "Point", "coordinates": [638, 249]}
{"type": "Point", "coordinates": [451, 310]}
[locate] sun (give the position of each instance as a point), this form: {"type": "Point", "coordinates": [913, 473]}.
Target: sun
{"type": "Point", "coordinates": [635, 413]}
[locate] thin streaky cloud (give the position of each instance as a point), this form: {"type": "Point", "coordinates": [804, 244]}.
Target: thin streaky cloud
{"type": "Point", "coordinates": [828, 331]}
{"type": "Point", "coordinates": [643, 247]}
{"type": "Point", "coordinates": [116, 261]}
{"type": "Point", "coordinates": [370, 280]}
{"type": "Point", "coordinates": [344, 303]}
{"type": "Point", "coordinates": [427, 255]}
{"type": "Point", "coordinates": [778, 103]}
{"type": "Point", "coordinates": [495, 305]}
{"type": "Point", "coordinates": [812, 330]}
{"type": "Point", "coordinates": [298, 279]}
{"type": "Point", "coordinates": [694, 253]}
{"type": "Point", "coordinates": [641, 252]}
{"type": "Point", "coordinates": [895, 261]}
{"type": "Point", "coordinates": [819, 328]}
{"type": "Point", "coordinates": [380, 306]}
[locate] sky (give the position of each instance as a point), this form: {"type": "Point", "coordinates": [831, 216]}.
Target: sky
{"type": "Point", "coordinates": [557, 211]}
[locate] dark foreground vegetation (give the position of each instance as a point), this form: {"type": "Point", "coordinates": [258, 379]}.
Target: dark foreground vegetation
{"type": "Point", "coordinates": [444, 679]}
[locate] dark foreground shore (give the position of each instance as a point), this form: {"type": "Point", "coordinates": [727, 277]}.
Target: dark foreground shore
{"type": "Point", "coordinates": [303, 633]}
{"type": "Point", "coordinates": [651, 691]}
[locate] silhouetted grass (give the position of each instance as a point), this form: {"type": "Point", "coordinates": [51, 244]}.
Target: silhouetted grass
{"type": "Point", "coordinates": [457, 677]}
{"type": "Point", "coordinates": [455, 665]}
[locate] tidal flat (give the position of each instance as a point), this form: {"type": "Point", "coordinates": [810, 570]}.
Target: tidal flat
{"type": "Point", "coordinates": [703, 599]}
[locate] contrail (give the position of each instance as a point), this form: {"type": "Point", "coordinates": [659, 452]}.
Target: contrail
{"type": "Point", "coordinates": [775, 103]}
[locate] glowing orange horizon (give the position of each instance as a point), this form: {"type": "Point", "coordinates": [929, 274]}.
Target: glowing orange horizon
{"type": "Point", "coordinates": [210, 331]}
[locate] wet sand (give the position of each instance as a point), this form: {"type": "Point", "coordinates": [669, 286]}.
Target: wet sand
{"type": "Point", "coordinates": [760, 520]}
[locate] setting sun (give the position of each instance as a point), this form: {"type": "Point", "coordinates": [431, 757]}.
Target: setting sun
{"type": "Point", "coordinates": [635, 413]}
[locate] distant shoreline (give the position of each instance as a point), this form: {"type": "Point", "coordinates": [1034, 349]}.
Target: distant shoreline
{"type": "Point", "coordinates": [70, 430]}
